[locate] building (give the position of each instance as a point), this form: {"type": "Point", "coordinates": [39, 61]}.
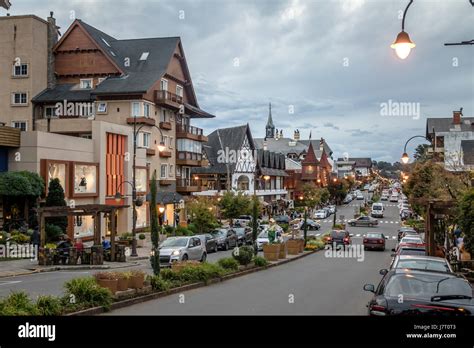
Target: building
{"type": "Point", "coordinates": [104, 96]}
{"type": "Point", "coordinates": [235, 163]}
{"type": "Point", "coordinates": [361, 167]}
{"type": "Point", "coordinates": [345, 168]}
{"type": "Point", "coordinates": [452, 141]}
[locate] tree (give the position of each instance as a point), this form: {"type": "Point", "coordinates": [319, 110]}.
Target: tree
{"type": "Point", "coordinates": [313, 195]}
{"type": "Point", "coordinates": [201, 212]}
{"type": "Point", "coordinates": [21, 183]}
{"type": "Point", "coordinates": [55, 198]}
{"type": "Point", "coordinates": [255, 210]}
{"type": "Point", "coordinates": [421, 153]}
{"type": "Point", "coordinates": [233, 205]}
{"type": "Point", "coordinates": [466, 220]}
{"type": "Point", "coordinates": [154, 228]}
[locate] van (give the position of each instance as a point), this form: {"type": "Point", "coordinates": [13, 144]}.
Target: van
{"type": "Point", "coordinates": [394, 198]}
{"type": "Point", "coordinates": [377, 210]}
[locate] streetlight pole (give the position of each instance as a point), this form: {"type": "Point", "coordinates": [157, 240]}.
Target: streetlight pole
{"type": "Point", "coordinates": [405, 158]}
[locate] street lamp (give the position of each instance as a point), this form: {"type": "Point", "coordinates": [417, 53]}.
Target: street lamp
{"type": "Point", "coordinates": [402, 44]}
{"type": "Point", "coordinates": [405, 158]}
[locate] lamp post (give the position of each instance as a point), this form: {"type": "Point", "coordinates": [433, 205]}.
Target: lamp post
{"type": "Point", "coordinates": [402, 44]}
{"type": "Point", "coordinates": [161, 210]}
{"type": "Point", "coordinates": [118, 195]}
{"type": "Point", "coordinates": [405, 158]}
{"type": "Point", "coordinates": [305, 223]}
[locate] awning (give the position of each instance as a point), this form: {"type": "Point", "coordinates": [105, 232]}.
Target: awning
{"type": "Point", "coordinates": [166, 197]}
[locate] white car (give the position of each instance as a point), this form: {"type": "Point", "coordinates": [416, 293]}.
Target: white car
{"type": "Point", "coordinates": [384, 198]}
{"type": "Point", "coordinates": [394, 198]}
{"type": "Point", "coordinates": [377, 210]}
{"type": "Point", "coordinates": [320, 214]}
{"type": "Point", "coordinates": [360, 196]}
{"type": "Point", "coordinates": [262, 238]}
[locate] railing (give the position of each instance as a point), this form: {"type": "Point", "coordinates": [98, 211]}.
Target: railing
{"type": "Point", "coordinates": [189, 129]}
{"type": "Point", "coordinates": [188, 182]}
{"type": "Point", "coordinates": [162, 95]}
{"type": "Point", "coordinates": [193, 156]}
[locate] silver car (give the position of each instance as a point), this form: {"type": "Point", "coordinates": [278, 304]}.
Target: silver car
{"type": "Point", "coordinates": [429, 263]}
{"type": "Point", "coordinates": [181, 249]}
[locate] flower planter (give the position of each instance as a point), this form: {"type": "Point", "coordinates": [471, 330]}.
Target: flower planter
{"type": "Point", "coordinates": [110, 284]}
{"type": "Point", "coordinates": [136, 281]}
{"type": "Point", "coordinates": [122, 284]}
{"type": "Point", "coordinates": [283, 251]}
{"type": "Point", "coordinates": [271, 252]}
{"type": "Point", "coordinates": [293, 246]}
{"type": "Point", "coordinates": [140, 243]}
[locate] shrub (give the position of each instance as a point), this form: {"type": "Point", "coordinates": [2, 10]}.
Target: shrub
{"type": "Point", "coordinates": [243, 255]}
{"type": "Point", "coordinates": [126, 236]}
{"type": "Point", "coordinates": [50, 246]}
{"type": "Point", "coordinates": [338, 227]}
{"type": "Point", "coordinates": [53, 232]}
{"type": "Point", "coordinates": [141, 236]}
{"type": "Point", "coordinates": [169, 275]}
{"type": "Point", "coordinates": [260, 261]}
{"type": "Point", "coordinates": [169, 230]}
{"type": "Point", "coordinates": [19, 238]}
{"type": "Point", "coordinates": [49, 305]}
{"type": "Point", "coordinates": [18, 303]}
{"type": "Point", "coordinates": [158, 283]}
{"type": "Point", "coordinates": [284, 226]}
{"type": "Point", "coordinates": [228, 263]}
{"type": "Point", "coordinates": [86, 292]}
{"type": "Point", "coordinates": [3, 237]}
{"type": "Point", "coordinates": [183, 231]}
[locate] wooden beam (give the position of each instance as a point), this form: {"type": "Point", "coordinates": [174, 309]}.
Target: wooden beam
{"type": "Point", "coordinates": [41, 222]}
{"type": "Point", "coordinates": [97, 233]}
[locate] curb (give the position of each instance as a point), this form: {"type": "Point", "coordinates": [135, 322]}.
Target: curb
{"type": "Point", "coordinates": [156, 295]}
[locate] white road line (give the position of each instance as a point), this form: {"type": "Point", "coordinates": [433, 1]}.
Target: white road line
{"type": "Point", "coordinates": [317, 235]}
{"type": "Point", "coordinates": [393, 237]}
{"type": "Point", "coordinates": [7, 282]}
{"type": "Point", "coordinates": [358, 235]}
{"type": "Point", "coordinates": [391, 222]}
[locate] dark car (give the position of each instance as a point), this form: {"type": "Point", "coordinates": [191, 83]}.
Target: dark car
{"type": "Point", "coordinates": [244, 235]}
{"type": "Point", "coordinates": [209, 241]}
{"type": "Point", "coordinates": [415, 292]}
{"type": "Point", "coordinates": [339, 237]}
{"type": "Point", "coordinates": [226, 238]}
{"type": "Point", "coordinates": [282, 219]}
{"type": "Point", "coordinates": [364, 221]}
{"type": "Point", "coordinates": [374, 241]}
{"type": "Point", "coordinates": [312, 225]}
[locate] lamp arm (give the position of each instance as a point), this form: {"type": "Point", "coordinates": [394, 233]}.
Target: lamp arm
{"type": "Point", "coordinates": [404, 14]}
{"type": "Point", "coordinates": [413, 137]}
{"type": "Point", "coordinates": [143, 125]}
{"type": "Point", "coordinates": [123, 182]}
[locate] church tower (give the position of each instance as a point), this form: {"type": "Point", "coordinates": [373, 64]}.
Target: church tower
{"type": "Point", "coordinates": [270, 127]}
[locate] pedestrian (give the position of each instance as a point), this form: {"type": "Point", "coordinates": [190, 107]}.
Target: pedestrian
{"type": "Point", "coordinates": [35, 239]}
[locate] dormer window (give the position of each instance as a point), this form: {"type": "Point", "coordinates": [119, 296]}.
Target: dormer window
{"type": "Point", "coordinates": [179, 90]}
{"type": "Point", "coordinates": [86, 84]}
{"type": "Point", "coordinates": [144, 56]}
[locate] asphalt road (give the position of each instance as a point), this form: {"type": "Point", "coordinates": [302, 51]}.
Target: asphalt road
{"type": "Point", "coordinates": [318, 284]}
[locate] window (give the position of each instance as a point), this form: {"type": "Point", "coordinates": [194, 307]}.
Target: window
{"type": "Point", "coordinates": [22, 125]}
{"type": "Point", "coordinates": [135, 109]}
{"type": "Point", "coordinates": [86, 83]}
{"type": "Point", "coordinates": [50, 112]}
{"type": "Point", "coordinates": [19, 98]}
{"type": "Point", "coordinates": [171, 142]}
{"type": "Point", "coordinates": [144, 56]}
{"type": "Point", "coordinates": [163, 168]}
{"type": "Point", "coordinates": [20, 70]}
{"type": "Point", "coordinates": [171, 170]}
{"type": "Point", "coordinates": [146, 109]}
{"type": "Point", "coordinates": [178, 171]}
{"type": "Point", "coordinates": [163, 115]}
{"type": "Point", "coordinates": [102, 107]}
{"type": "Point", "coordinates": [164, 85]}
{"type": "Point", "coordinates": [101, 79]}
{"type": "Point", "coordinates": [179, 90]}
{"type": "Point", "coordinates": [164, 139]}
{"type": "Point", "coordinates": [146, 140]}
{"type": "Point", "coordinates": [189, 145]}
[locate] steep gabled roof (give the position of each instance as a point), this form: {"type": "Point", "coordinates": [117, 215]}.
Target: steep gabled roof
{"type": "Point", "coordinates": [310, 158]}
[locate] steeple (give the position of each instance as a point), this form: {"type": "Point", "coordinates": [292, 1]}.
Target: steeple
{"type": "Point", "coordinates": [270, 127]}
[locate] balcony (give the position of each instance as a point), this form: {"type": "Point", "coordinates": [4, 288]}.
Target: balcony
{"type": "Point", "coordinates": [164, 182]}
{"type": "Point", "coordinates": [166, 154]}
{"type": "Point", "coordinates": [190, 132]}
{"type": "Point", "coordinates": [141, 120]}
{"type": "Point", "coordinates": [190, 159]}
{"type": "Point", "coordinates": [165, 125]}
{"type": "Point", "coordinates": [188, 185]}
{"type": "Point", "coordinates": [168, 99]}
{"type": "Point", "coordinates": [150, 152]}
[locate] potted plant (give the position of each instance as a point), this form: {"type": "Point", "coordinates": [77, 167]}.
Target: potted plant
{"type": "Point", "coordinates": [123, 278]}
{"type": "Point", "coordinates": [107, 280]}
{"type": "Point", "coordinates": [283, 250]}
{"type": "Point", "coordinates": [137, 279]}
{"type": "Point", "coordinates": [141, 240]}
{"type": "Point", "coordinates": [271, 250]}
{"type": "Point", "coordinates": [293, 246]}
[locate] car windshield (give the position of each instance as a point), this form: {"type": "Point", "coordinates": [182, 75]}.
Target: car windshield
{"type": "Point", "coordinates": [239, 231]}
{"type": "Point", "coordinates": [377, 207]}
{"type": "Point", "coordinates": [263, 234]}
{"type": "Point", "coordinates": [408, 251]}
{"type": "Point", "coordinates": [424, 264]}
{"type": "Point", "coordinates": [175, 242]}
{"type": "Point", "coordinates": [374, 235]}
{"type": "Point", "coordinates": [424, 286]}
{"type": "Point", "coordinates": [338, 234]}
{"type": "Point", "coordinates": [411, 240]}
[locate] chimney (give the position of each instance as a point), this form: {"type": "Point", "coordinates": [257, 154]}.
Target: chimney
{"type": "Point", "coordinates": [276, 134]}
{"type": "Point", "coordinates": [296, 135]}
{"type": "Point", "coordinates": [321, 144]}
{"type": "Point", "coordinates": [457, 117]}
{"type": "Point", "coordinates": [53, 37]}
{"type": "Point", "coordinates": [281, 133]}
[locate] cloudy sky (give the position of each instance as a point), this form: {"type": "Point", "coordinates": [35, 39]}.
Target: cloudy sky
{"type": "Point", "coordinates": [326, 66]}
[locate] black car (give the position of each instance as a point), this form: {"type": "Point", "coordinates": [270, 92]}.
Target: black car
{"type": "Point", "coordinates": [402, 230]}
{"type": "Point", "coordinates": [226, 238]}
{"type": "Point", "coordinates": [209, 241]}
{"type": "Point", "coordinates": [339, 237]}
{"type": "Point", "coordinates": [421, 292]}
{"type": "Point", "coordinates": [282, 219]}
{"type": "Point", "coordinates": [244, 235]}
{"type": "Point", "coordinates": [312, 225]}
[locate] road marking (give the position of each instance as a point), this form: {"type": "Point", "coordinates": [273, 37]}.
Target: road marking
{"type": "Point", "coordinates": [7, 282]}
{"type": "Point", "coordinates": [391, 222]}
{"type": "Point", "coordinates": [393, 237]}
{"type": "Point", "coordinates": [358, 235]}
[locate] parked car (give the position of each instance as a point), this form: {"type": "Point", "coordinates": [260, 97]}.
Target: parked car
{"type": "Point", "coordinates": [410, 250]}
{"type": "Point", "coordinates": [374, 241]}
{"type": "Point", "coordinates": [320, 214]}
{"type": "Point", "coordinates": [377, 210]}
{"type": "Point", "coordinates": [244, 235]}
{"type": "Point", "coordinates": [409, 230]}
{"type": "Point", "coordinates": [411, 241]}
{"type": "Point", "coordinates": [263, 238]}
{"type": "Point", "coordinates": [312, 225]}
{"type": "Point", "coordinates": [423, 293]}
{"type": "Point", "coordinates": [226, 238]}
{"type": "Point", "coordinates": [174, 249]}
{"type": "Point", "coordinates": [282, 219]}
{"type": "Point", "coordinates": [347, 199]}
{"type": "Point", "coordinates": [384, 197]}
{"type": "Point", "coordinates": [394, 198]}
{"type": "Point", "coordinates": [424, 263]}
{"type": "Point", "coordinates": [360, 196]}
{"type": "Point", "coordinates": [332, 209]}
{"type": "Point", "coordinates": [339, 237]}
{"type": "Point", "coordinates": [209, 241]}
{"type": "Point", "coordinates": [243, 220]}
{"type": "Point", "coordinates": [364, 221]}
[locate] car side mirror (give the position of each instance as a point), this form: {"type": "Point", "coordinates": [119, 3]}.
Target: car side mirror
{"type": "Point", "coordinates": [369, 287]}
{"type": "Point", "coordinates": [393, 255]}
{"type": "Point", "coordinates": [383, 271]}
{"type": "Point", "coordinates": [393, 249]}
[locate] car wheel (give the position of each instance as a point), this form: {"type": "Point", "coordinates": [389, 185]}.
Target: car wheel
{"type": "Point", "coordinates": [185, 257]}
{"type": "Point", "coordinates": [226, 246]}
{"type": "Point", "coordinates": [216, 249]}
{"type": "Point", "coordinates": [352, 224]}
{"type": "Point", "coordinates": [204, 257]}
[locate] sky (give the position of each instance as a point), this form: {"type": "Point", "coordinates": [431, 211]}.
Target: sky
{"type": "Point", "coordinates": [326, 66]}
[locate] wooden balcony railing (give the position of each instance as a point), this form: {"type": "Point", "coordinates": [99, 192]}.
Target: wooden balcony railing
{"type": "Point", "coordinates": [168, 99]}
{"type": "Point", "coordinates": [190, 132]}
